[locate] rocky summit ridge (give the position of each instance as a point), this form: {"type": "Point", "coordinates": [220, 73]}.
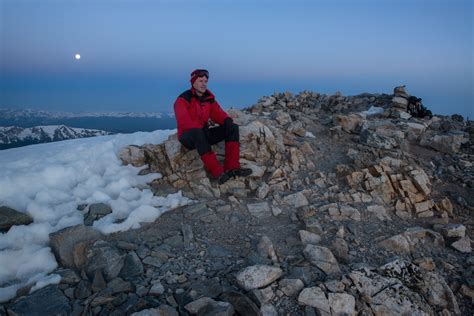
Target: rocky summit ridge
{"type": "Point", "coordinates": [353, 208]}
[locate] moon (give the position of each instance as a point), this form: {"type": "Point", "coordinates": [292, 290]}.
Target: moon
{"type": "Point", "coordinates": [77, 56]}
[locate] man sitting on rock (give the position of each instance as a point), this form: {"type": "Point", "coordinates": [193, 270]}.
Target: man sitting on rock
{"type": "Point", "coordinates": [193, 109]}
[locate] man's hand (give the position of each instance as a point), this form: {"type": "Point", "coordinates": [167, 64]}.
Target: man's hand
{"type": "Point", "coordinates": [228, 123]}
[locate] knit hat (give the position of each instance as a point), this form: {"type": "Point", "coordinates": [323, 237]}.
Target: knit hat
{"type": "Point", "coordinates": [199, 73]}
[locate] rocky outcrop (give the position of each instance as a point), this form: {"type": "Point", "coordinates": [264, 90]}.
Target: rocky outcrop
{"type": "Point", "coordinates": [353, 208]}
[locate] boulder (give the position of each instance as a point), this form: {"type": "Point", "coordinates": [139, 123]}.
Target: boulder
{"type": "Point", "coordinates": [322, 258]}
{"type": "Point", "coordinates": [315, 297]}
{"type": "Point", "coordinates": [64, 241]}
{"type": "Point", "coordinates": [257, 276]}
{"type": "Point", "coordinates": [103, 256]}
{"type": "Point", "coordinates": [10, 217]}
{"type": "Point", "coordinates": [49, 300]}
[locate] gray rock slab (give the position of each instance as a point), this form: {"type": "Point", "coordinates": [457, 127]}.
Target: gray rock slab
{"type": "Point", "coordinates": [10, 217]}
{"type": "Point", "coordinates": [322, 258]}
{"type": "Point", "coordinates": [290, 287]}
{"type": "Point", "coordinates": [296, 200]}
{"type": "Point", "coordinates": [259, 210]}
{"type": "Point", "coordinates": [258, 276]}
{"type": "Point", "coordinates": [46, 301]}
{"type": "Point", "coordinates": [463, 245]}
{"type": "Point", "coordinates": [241, 303]}
{"type": "Point", "coordinates": [341, 303]}
{"type": "Point", "coordinates": [315, 297]}
{"type": "Point", "coordinates": [102, 255]}
{"type": "Point", "coordinates": [64, 240]}
{"type": "Point", "coordinates": [132, 266]}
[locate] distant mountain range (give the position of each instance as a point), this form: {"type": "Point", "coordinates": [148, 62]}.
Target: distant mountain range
{"type": "Point", "coordinates": [115, 122]}
{"type": "Point", "coordinates": [14, 136]}
{"type": "Point", "coordinates": [32, 113]}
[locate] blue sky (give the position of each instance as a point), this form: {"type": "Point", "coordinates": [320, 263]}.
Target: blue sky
{"type": "Point", "coordinates": [137, 54]}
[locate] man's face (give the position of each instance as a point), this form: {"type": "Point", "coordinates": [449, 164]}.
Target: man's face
{"type": "Point", "coordinates": [200, 84]}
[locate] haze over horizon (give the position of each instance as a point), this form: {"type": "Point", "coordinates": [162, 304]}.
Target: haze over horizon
{"type": "Point", "coordinates": [137, 55]}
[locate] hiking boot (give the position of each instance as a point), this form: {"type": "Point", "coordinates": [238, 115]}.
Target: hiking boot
{"type": "Point", "coordinates": [242, 172]}
{"type": "Point", "coordinates": [225, 176]}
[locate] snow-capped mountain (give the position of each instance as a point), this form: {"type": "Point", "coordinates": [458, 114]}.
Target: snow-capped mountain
{"type": "Point", "coordinates": [14, 136]}
{"type": "Point", "coordinates": [30, 113]}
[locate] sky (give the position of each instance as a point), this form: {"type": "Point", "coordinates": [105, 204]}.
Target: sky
{"type": "Point", "coordinates": [70, 173]}
{"type": "Point", "coordinates": [137, 55]}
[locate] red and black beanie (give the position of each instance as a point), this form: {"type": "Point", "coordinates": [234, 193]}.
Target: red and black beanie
{"type": "Point", "coordinates": [199, 73]}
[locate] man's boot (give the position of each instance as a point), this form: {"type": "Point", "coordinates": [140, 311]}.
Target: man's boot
{"type": "Point", "coordinates": [212, 164]}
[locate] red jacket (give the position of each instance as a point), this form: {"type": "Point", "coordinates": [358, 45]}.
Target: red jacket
{"type": "Point", "coordinates": [192, 111]}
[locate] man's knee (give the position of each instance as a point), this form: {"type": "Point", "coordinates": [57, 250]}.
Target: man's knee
{"type": "Point", "coordinates": [195, 138]}
{"type": "Point", "coordinates": [232, 132]}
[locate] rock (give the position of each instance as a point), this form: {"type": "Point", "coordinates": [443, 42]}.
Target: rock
{"type": "Point", "coordinates": [268, 310]}
{"type": "Point", "coordinates": [387, 296]}
{"type": "Point", "coordinates": [309, 237]}
{"type": "Point", "coordinates": [445, 205]}
{"type": "Point", "coordinates": [263, 190]}
{"type": "Point", "coordinates": [438, 293]}
{"type": "Point", "coordinates": [132, 266]}
{"type": "Point", "coordinates": [322, 258]}
{"type": "Point", "coordinates": [162, 310]}
{"type": "Point", "coordinates": [340, 249]}
{"type": "Point", "coordinates": [266, 250]}
{"type": "Point", "coordinates": [422, 209]}
{"type": "Point", "coordinates": [379, 211]}
{"type": "Point", "coordinates": [341, 304]}
{"type": "Point", "coordinates": [83, 289]}
{"type": "Point", "coordinates": [282, 117]}
{"type": "Point", "coordinates": [68, 276]}
{"type": "Point", "coordinates": [208, 306]}
{"type": "Point", "coordinates": [350, 123]}
{"type": "Point", "coordinates": [276, 210]}
{"type": "Point", "coordinates": [257, 276]}
{"type": "Point", "coordinates": [341, 212]}
{"type": "Point", "coordinates": [409, 240]}
{"type": "Point", "coordinates": [296, 127]}
{"type": "Point", "coordinates": [98, 283]}
{"type": "Point", "coordinates": [259, 210]}
{"type": "Point", "coordinates": [264, 295]}
{"type": "Point", "coordinates": [296, 200]}
{"type": "Point", "coordinates": [102, 255]}
{"type": "Point", "coordinates": [463, 245]}
{"type": "Point", "coordinates": [335, 286]}
{"type": "Point", "coordinates": [450, 143]}
{"type": "Point", "coordinates": [451, 230]}
{"type": "Point", "coordinates": [118, 285]}
{"type": "Point", "coordinates": [426, 263]}
{"type": "Point", "coordinates": [400, 91]}
{"type": "Point", "coordinates": [241, 303]}
{"type": "Point", "coordinates": [414, 130]}
{"type": "Point", "coordinates": [63, 242]}
{"type": "Point", "coordinates": [400, 102]}
{"type": "Point", "coordinates": [157, 289]}
{"type": "Point", "coordinates": [96, 211]}
{"type": "Point", "coordinates": [46, 301]}
{"type": "Point", "coordinates": [133, 155]}
{"type": "Point", "coordinates": [10, 217]}
{"type": "Point", "coordinates": [290, 287]}
{"type": "Point", "coordinates": [315, 297]}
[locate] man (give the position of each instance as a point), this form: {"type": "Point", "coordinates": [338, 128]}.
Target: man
{"type": "Point", "coordinates": [193, 109]}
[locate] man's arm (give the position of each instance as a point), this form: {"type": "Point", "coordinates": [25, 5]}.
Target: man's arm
{"type": "Point", "coordinates": [183, 119]}
{"type": "Point", "coordinates": [217, 113]}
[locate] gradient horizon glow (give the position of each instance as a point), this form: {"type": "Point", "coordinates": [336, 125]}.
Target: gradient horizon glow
{"type": "Point", "coordinates": [136, 55]}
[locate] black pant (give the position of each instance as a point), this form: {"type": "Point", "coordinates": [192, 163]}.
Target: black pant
{"type": "Point", "coordinates": [202, 138]}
